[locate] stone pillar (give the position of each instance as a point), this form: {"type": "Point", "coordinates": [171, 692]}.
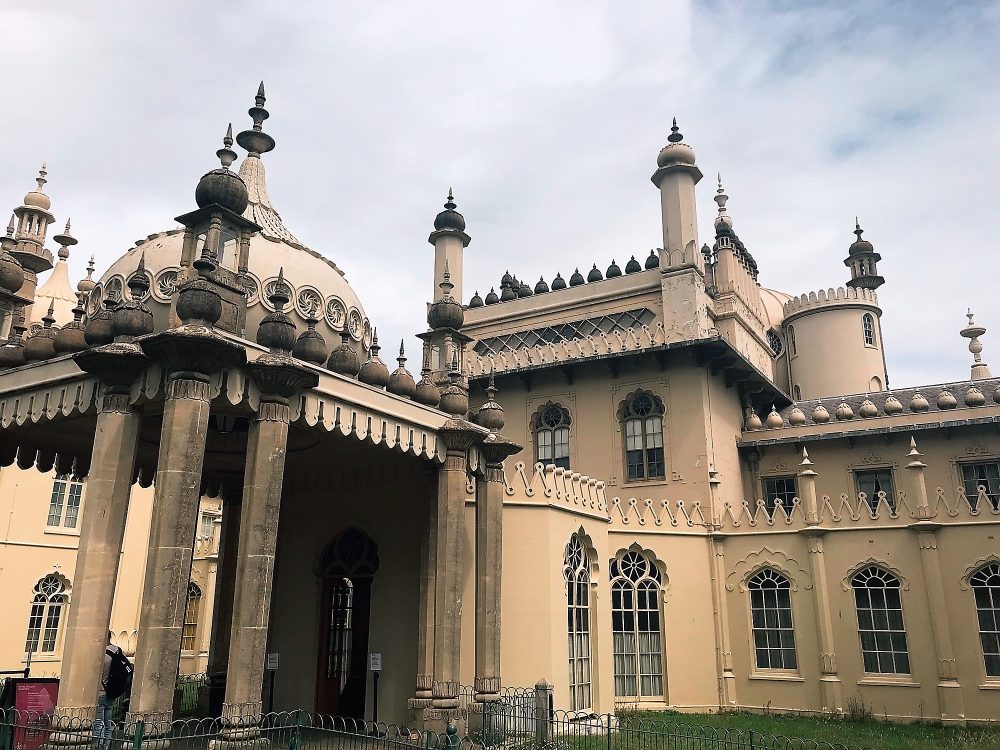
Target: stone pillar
{"type": "Point", "coordinates": [101, 534]}
{"type": "Point", "coordinates": [458, 436]}
{"type": "Point", "coordinates": [171, 538]}
{"type": "Point", "coordinates": [425, 619]}
{"type": "Point", "coordinates": [214, 693]}
{"type": "Point", "coordinates": [543, 713]}
{"type": "Point", "coordinates": [950, 699]}
{"type": "Point", "coordinates": [830, 687]}
{"type": "Point", "coordinates": [717, 570]}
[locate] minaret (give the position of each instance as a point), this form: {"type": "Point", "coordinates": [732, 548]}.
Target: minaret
{"type": "Point", "coordinates": [861, 259]}
{"type": "Point", "coordinates": [980, 370]}
{"type": "Point", "coordinates": [676, 176]}
{"type": "Point", "coordinates": [449, 240]}
{"type": "Point", "coordinates": [33, 219]}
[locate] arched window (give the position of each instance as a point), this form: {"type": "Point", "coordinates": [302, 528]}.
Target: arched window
{"type": "Point", "coordinates": [771, 620]}
{"type": "Point", "coordinates": [46, 615]}
{"type": "Point", "coordinates": [791, 341]}
{"type": "Point", "coordinates": [797, 393]}
{"type": "Point", "coordinates": [552, 435]}
{"type": "Point", "coordinates": [641, 415]}
{"type": "Point", "coordinates": [985, 584]}
{"type": "Point", "coordinates": [868, 325]}
{"type": "Point", "coordinates": [189, 635]}
{"type": "Point", "coordinates": [637, 638]}
{"type": "Point", "coordinates": [774, 341]}
{"type": "Point", "coordinates": [880, 621]}
{"type": "Point", "coordinates": [576, 572]}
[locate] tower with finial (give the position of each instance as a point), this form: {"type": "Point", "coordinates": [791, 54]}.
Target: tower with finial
{"type": "Point", "coordinates": [676, 175]}
{"type": "Point", "coordinates": [33, 219]}
{"type": "Point", "coordinates": [980, 370]}
{"type": "Point", "coordinates": [449, 240]}
{"type": "Point", "coordinates": [862, 259]}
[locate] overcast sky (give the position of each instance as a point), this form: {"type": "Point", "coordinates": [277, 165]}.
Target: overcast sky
{"type": "Point", "coordinates": [546, 117]}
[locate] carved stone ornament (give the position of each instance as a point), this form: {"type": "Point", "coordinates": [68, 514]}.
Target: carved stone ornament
{"type": "Point", "coordinates": [459, 435]}
{"type": "Point", "coordinates": [116, 365]}
{"type": "Point", "coordinates": [495, 448]}
{"type": "Point", "coordinates": [193, 349]}
{"type": "Point", "coordinates": [845, 584]}
{"type": "Point", "coordinates": [766, 557]}
{"type": "Point", "coordinates": [280, 376]}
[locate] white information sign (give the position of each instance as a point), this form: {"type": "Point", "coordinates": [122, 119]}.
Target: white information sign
{"type": "Point", "coordinates": [272, 662]}
{"type": "Point", "coordinates": [375, 662]}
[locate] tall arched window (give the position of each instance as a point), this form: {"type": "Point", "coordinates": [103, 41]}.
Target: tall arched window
{"type": "Point", "coordinates": [46, 615]}
{"type": "Point", "coordinates": [771, 620]}
{"type": "Point", "coordinates": [868, 326]}
{"type": "Point", "coordinates": [189, 634]}
{"type": "Point", "coordinates": [985, 584]}
{"type": "Point", "coordinates": [637, 638]}
{"type": "Point", "coordinates": [552, 435]}
{"type": "Point", "coordinates": [641, 416]}
{"type": "Point", "coordinates": [576, 572]}
{"type": "Point", "coordinates": [880, 621]}
{"type": "Point", "coordinates": [791, 341]}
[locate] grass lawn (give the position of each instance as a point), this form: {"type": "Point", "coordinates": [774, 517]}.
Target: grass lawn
{"type": "Point", "coordinates": [871, 733]}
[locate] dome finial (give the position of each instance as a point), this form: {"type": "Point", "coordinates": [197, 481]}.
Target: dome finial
{"type": "Point", "coordinates": [980, 370]}
{"type": "Point", "coordinates": [446, 286]}
{"type": "Point", "coordinates": [857, 228]}
{"type": "Point", "coordinates": [449, 219]}
{"type": "Point", "coordinates": [402, 354]}
{"type": "Point", "coordinates": [66, 241]}
{"type": "Point", "coordinates": [138, 281]}
{"type": "Point", "coordinates": [675, 133]}
{"type": "Point", "coordinates": [256, 141]}
{"type": "Point", "coordinates": [721, 199]}
{"type": "Point", "coordinates": [226, 154]}
{"type": "Point", "coordinates": [41, 178]}
{"type": "Point", "coordinates": [280, 293]}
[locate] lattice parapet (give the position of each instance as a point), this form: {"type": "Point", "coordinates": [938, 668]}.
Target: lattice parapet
{"type": "Point", "coordinates": [553, 485]}
{"type": "Point", "coordinates": [501, 356]}
{"type": "Point", "coordinates": [828, 297]}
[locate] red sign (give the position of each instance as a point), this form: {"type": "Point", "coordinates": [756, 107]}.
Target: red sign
{"type": "Point", "coordinates": [34, 701]}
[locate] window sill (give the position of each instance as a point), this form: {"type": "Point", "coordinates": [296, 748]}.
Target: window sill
{"type": "Point", "coordinates": [889, 682]}
{"type": "Point", "coordinates": [777, 676]}
{"type": "Point", "coordinates": [990, 685]}
{"type": "Point", "coordinates": [60, 531]}
{"type": "Point", "coordinates": [644, 482]}
{"type": "Point", "coordinates": [43, 658]}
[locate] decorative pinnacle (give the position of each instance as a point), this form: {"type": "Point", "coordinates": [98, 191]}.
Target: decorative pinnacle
{"type": "Point", "coordinates": [41, 178]}
{"type": "Point", "coordinates": [90, 267]}
{"type": "Point", "coordinates": [491, 389]}
{"type": "Point", "coordinates": [980, 370]}
{"type": "Point", "coordinates": [226, 154]}
{"type": "Point", "coordinates": [260, 95]}
{"type": "Point", "coordinates": [402, 355]}
{"type": "Point", "coordinates": [279, 295]}
{"type": "Point", "coordinates": [425, 365]}
{"type": "Point", "coordinates": [375, 348]}
{"type": "Point", "coordinates": [858, 231]}
{"type": "Point", "coordinates": [256, 141]}
{"type": "Point", "coordinates": [66, 241]}
{"type": "Point", "coordinates": [49, 317]}
{"type": "Point", "coordinates": [675, 133]}
{"type": "Point", "coordinates": [79, 310]}
{"type": "Point", "coordinates": [446, 286]}
{"type": "Point", "coordinates": [138, 282]}
{"type": "Point", "coordinates": [450, 203]}
{"type": "Point", "coordinates": [10, 226]}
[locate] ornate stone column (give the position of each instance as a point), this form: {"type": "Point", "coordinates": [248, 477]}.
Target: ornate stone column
{"type": "Point", "coordinates": [189, 355]}
{"type": "Point", "coordinates": [425, 619]}
{"type": "Point", "coordinates": [830, 687]}
{"type": "Point", "coordinates": [489, 551]}
{"type": "Point", "coordinates": [222, 612]}
{"type": "Point", "coordinates": [950, 699]}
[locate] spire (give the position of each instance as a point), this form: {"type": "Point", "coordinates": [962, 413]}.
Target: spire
{"type": "Point", "coordinates": [226, 154]}
{"type": "Point", "coordinates": [980, 370]}
{"type": "Point", "coordinates": [675, 133]}
{"type": "Point", "coordinates": [66, 241]}
{"type": "Point", "coordinates": [256, 141]}
{"type": "Point", "coordinates": [85, 285]}
{"type": "Point", "coordinates": [723, 219]}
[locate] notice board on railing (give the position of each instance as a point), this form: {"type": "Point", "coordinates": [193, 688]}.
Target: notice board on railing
{"type": "Point", "coordinates": [33, 699]}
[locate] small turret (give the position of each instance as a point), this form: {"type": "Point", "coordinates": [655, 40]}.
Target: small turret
{"type": "Point", "coordinates": [980, 370]}
{"type": "Point", "coordinates": [862, 259]}
{"type": "Point", "coordinates": [449, 240]}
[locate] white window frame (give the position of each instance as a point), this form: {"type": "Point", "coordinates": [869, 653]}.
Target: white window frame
{"type": "Point", "coordinates": [988, 576]}
{"type": "Point", "coordinates": [881, 634]}
{"type": "Point", "coordinates": [65, 505]}
{"type": "Point", "coordinates": [769, 623]}
{"type": "Point", "coordinates": [576, 574]}
{"type": "Point", "coordinates": [634, 576]}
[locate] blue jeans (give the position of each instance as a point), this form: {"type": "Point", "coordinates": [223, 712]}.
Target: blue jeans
{"type": "Point", "coordinates": [103, 725]}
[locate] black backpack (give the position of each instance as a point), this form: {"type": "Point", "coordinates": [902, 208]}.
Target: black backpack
{"type": "Point", "coordinates": [119, 675]}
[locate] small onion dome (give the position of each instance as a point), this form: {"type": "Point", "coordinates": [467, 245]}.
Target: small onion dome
{"type": "Point", "coordinates": [343, 359]}
{"type": "Point", "coordinates": [868, 409]}
{"type": "Point", "coordinates": [87, 284]}
{"type": "Point", "coordinates": [401, 381]}
{"type": "Point", "coordinates": [476, 300]}
{"type": "Point", "coordinates": [198, 301]}
{"type": "Point", "coordinates": [753, 420]}
{"type": "Point", "coordinates": [450, 218]}
{"type": "Point", "coordinates": [558, 282]}
{"type": "Point", "coordinates": [506, 293]}
{"type": "Point", "coordinates": [37, 197]}
{"type": "Point", "coordinates": [796, 416]}
{"type": "Point", "coordinates": [919, 403]}
{"type": "Point", "coordinates": [310, 346]}
{"type": "Point", "coordinates": [633, 266]}
{"type": "Point", "coordinates": [132, 317]}
{"type": "Point", "coordinates": [613, 270]}
{"type": "Point", "coordinates": [373, 371]}
{"type": "Point", "coordinates": [506, 279]}
{"type": "Point", "coordinates": [491, 413]}
{"type": "Point", "coordinates": [541, 287]}
{"type": "Point", "coordinates": [222, 186]}
{"type": "Point", "coordinates": [97, 331]}
{"type": "Point", "coordinates": [676, 151]}
{"type": "Point", "coordinates": [860, 246]}
{"type": "Point", "coordinates": [892, 406]}
{"type": "Point", "coordinates": [446, 312]}
{"type": "Point", "coordinates": [820, 414]}
{"type": "Point", "coordinates": [277, 331]}
{"type": "Point", "coordinates": [946, 400]}
{"type": "Point", "coordinates": [653, 261]}
{"type": "Point", "coordinates": [12, 353]}
{"type": "Point", "coordinates": [11, 273]}
{"type": "Point", "coordinates": [70, 338]}
{"type": "Point", "coordinates": [974, 397]}
{"type": "Point", "coordinates": [774, 419]}
{"type": "Point", "coordinates": [576, 279]}
{"type": "Point", "coordinates": [524, 290]}
{"type": "Point", "coordinates": [454, 399]}
{"type": "Point", "coordinates": [594, 275]}
{"type": "Point", "coordinates": [427, 393]}
{"type": "Point", "coordinates": [492, 298]}
{"type": "Point", "coordinates": [42, 344]}
{"type": "Point", "coordinates": [844, 412]}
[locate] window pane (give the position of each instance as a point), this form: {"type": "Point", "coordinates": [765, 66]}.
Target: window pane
{"type": "Point", "coordinates": [880, 622]}
{"type": "Point", "coordinates": [56, 503]}
{"type": "Point", "coordinates": [73, 505]}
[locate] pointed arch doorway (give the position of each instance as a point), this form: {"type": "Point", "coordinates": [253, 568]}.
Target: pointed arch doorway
{"type": "Point", "coordinates": [347, 571]}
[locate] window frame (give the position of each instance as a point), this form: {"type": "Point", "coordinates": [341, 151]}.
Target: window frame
{"type": "Point", "coordinates": [973, 499]}
{"type": "Point", "coordinates": [191, 625]}
{"type": "Point", "coordinates": [632, 571]}
{"type": "Point", "coordinates": [872, 572]}
{"type": "Point", "coordinates": [769, 505]}
{"type": "Point", "coordinates": [577, 578]}
{"type": "Point", "coordinates": [46, 616]}
{"type": "Point", "coordinates": [772, 574]}
{"type": "Point", "coordinates": [65, 503]}
{"type": "Point", "coordinates": [627, 415]}
{"type": "Point", "coordinates": [868, 331]}
{"type": "Point", "coordinates": [552, 431]}
{"type": "Point", "coordinates": [991, 675]}
{"type": "Point", "coordinates": [891, 500]}
{"type": "Point", "coordinates": [793, 350]}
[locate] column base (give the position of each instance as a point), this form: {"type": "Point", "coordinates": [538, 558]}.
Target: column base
{"type": "Point", "coordinates": [415, 708]}
{"type": "Point", "coordinates": [952, 703]}
{"type": "Point", "coordinates": [156, 727]}
{"type": "Point", "coordinates": [212, 695]}
{"type": "Point", "coordinates": [437, 720]}
{"type": "Point", "coordinates": [831, 694]}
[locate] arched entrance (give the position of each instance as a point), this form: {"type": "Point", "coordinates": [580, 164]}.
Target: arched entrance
{"type": "Point", "coordinates": [347, 571]}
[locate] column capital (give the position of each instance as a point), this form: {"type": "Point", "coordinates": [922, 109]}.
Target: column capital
{"type": "Point", "coordinates": [496, 448]}
{"type": "Point", "coordinates": [193, 349]}
{"type": "Point", "coordinates": [116, 365]}
{"type": "Point", "coordinates": [280, 377]}
{"type": "Point", "coordinates": [459, 435]}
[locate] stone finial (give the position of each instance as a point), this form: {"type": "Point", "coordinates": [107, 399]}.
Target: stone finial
{"type": "Point", "coordinates": [491, 412]}
{"type": "Point", "coordinates": [446, 312]}
{"type": "Point", "coordinates": [41, 344]}
{"type": "Point", "coordinates": [454, 398]}
{"type": "Point", "coordinates": [752, 419]}
{"type": "Point", "coordinates": [373, 371]}
{"type": "Point", "coordinates": [70, 338]}
{"type": "Point", "coordinates": [310, 346]}
{"type": "Point", "coordinates": [723, 219]}
{"type": "Point", "coordinates": [401, 382]}
{"type": "Point", "coordinates": [66, 241]}
{"type": "Point", "coordinates": [277, 331]}
{"type": "Point", "coordinates": [806, 466]}
{"type": "Point", "coordinates": [774, 419]}
{"type": "Point", "coordinates": [343, 359]}
{"type": "Point", "coordinates": [132, 318]}
{"type": "Point", "coordinates": [87, 284]}
{"type": "Point", "coordinates": [426, 392]}
{"type": "Point", "coordinates": [915, 456]}
{"type": "Point", "coordinates": [675, 133]}
{"type": "Point", "coordinates": [226, 154]}
{"type": "Point", "coordinates": [12, 353]}
{"type": "Point", "coordinates": [255, 141]}
{"type": "Point", "coordinates": [980, 370]}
